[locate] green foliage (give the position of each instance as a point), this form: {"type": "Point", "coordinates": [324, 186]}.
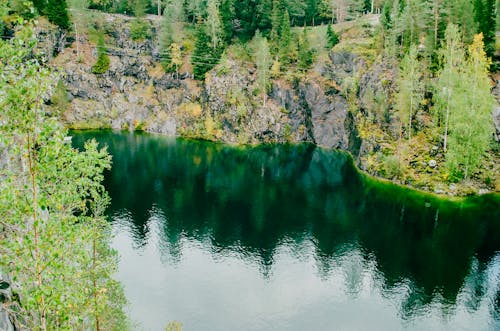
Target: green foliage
{"type": "Point", "coordinates": [263, 61]}
{"type": "Point", "coordinates": [285, 44]}
{"type": "Point", "coordinates": [102, 64]}
{"type": "Point", "coordinates": [227, 17]}
{"type": "Point", "coordinates": [484, 15]}
{"type": "Point", "coordinates": [171, 29]}
{"type": "Point", "coordinates": [332, 37]}
{"type": "Point", "coordinates": [410, 88]}
{"type": "Point", "coordinates": [209, 44]}
{"type": "Point", "coordinates": [305, 52]}
{"type": "Point", "coordinates": [471, 124]}
{"type": "Point", "coordinates": [57, 13]}
{"type": "Point", "coordinates": [204, 56]}
{"type": "Point", "coordinates": [139, 29]}
{"type": "Point", "coordinates": [448, 88]}
{"type": "Point", "coordinates": [140, 7]}
{"type": "Point", "coordinates": [55, 240]}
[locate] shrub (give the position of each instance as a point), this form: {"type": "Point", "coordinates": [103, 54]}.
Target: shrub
{"type": "Point", "coordinates": [102, 64]}
{"type": "Point", "coordinates": [139, 29]}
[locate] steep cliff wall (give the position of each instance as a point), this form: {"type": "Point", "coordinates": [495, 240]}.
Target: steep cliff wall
{"type": "Point", "coordinates": [136, 93]}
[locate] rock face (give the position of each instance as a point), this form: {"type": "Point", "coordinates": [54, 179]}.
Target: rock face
{"type": "Point", "coordinates": [6, 319]}
{"type": "Point", "coordinates": [136, 93]}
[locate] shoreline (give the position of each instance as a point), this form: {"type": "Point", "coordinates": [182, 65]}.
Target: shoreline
{"type": "Point", "coordinates": [457, 197]}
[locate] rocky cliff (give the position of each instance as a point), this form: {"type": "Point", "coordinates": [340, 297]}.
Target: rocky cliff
{"type": "Point", "coordinates": [344, 101]}
{"type": "Point", "coordinates": [136, 93]}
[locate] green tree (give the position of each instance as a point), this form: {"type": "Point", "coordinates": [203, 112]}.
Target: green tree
{"type": "Point", "coordinates": [311, 12]}
{"type": "Point", "coordinates": [55, 241]}
{"type": "Point", "coordinates": [471, 126]}
{"type": "Point", "coordinates": [485, 17]}
{"type": "Point", "coordinates": [332, 37]}
{"type": "Point", "coordinates": [39, 5]}
{"type": "Point", "coordinates": [410, 88]}
{"type": "Point", "coordinates": [277, 21]}
{"type": "Point", "coordinates": [213, 24]}
{"type": "Point", "coordinates": [263, 61]}
{"type": "Point", "coordinates": [227, 17]}
{"type": "Point", "coordinates": [305, 52]}
{"type": "Point", "coordinates": [448, 89]}
{"type": "Point", "coordinates": [103, 62]}
{"type": "Point", "coordinates": [285, 44]}
{"type": "Point", "coordinates": [171, 29]}
{"type": "Point", "coordinates": [57, 13]}
{"type": "Point", "coordinates": [204, 56]}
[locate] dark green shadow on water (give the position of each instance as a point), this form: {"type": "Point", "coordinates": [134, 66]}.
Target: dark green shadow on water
{"type": "Point", "coordinates": [252, 199]}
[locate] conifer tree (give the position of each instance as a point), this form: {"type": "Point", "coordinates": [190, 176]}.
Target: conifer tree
{"type": "Point", "coordinates": [204, 56]}
{"type": "Point", "coordinates": [305, 52]}
{"type": "Point", "coordinates": [227, 17]}
{"type": "Point", "coordinates": [57, 13]}
{"type": "Point", "coordinates": [171, 30]}
{"type": "Point", "coordinates": [277, 21]}
{"type": "Point", "coordinates": [487, 26]}
{"type": "Point", "coordinates": [285, 45]}
{"type": "Point", "coordinates": [265, 12]}
{"type": "Point", "coordinates": [40, 5]}
{"type": "Point", "coordinates": [332, 37]}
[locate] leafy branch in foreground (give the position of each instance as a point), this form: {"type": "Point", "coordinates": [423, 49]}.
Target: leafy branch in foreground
{"type": "Point", "coordinates": [55, 240]}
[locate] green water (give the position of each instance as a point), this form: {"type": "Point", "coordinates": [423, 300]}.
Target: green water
{"type": "Point", "coordinates": [292, 238]}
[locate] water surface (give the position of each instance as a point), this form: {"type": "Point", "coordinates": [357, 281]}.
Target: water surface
{"type": "Point", "coordinates": [292, 238]}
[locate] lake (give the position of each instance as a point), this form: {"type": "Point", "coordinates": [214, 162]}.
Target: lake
{"type": "Point", "coordinates": [292, 237]}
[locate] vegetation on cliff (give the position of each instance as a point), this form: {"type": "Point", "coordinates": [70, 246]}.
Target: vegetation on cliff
{"type": "Point", "coordinates": [422, 118]}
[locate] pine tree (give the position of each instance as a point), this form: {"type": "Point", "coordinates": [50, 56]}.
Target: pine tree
{"type": "Point", "coordinates": [227, 17]}
{"type": "Point", "coordinates": [265, 13]}
{"type": "Point", "coordinates": [311, 12]}
{"type": "Point", "coordinates": [277, 21]}
{"type": "Point", "coordinates": [410, 88]}
{"type": "Point", "coordinates": [485, 17]}
{"type": "Point", "coordinates": [40, 5]}
{"type": "Point", "coordinates": [57, 13]}
{"type": "Point", "coordinates": [305, 52]}
{"type": "Point", "coordinates": [285, 42]}
{"type": "Point", "coordinates": [332, 37]}
{"type": "Point", "coordinates": [204, 56]}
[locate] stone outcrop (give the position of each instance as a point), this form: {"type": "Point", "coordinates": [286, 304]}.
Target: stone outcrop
{"type": "Point", "coordinates": [136, 93]}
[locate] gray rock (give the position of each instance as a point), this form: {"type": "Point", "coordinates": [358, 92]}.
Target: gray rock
{"type": "Point", "coordinates": [432, 163]}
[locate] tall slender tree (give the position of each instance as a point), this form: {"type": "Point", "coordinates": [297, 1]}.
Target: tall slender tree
{"type": "Point", "coordinates": [448, 88]}
{"type": "Point", "coordinates": [471, 127]}
{"type": "Point", "coordinates": [410, 88]}
{"type": "Point", "coordinates": [263, 62]}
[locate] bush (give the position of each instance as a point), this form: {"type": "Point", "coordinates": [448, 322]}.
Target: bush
{"type": "Point", "coordinates": [102, 64]}
{"type": "Point", "coordinates": [392, 166]}
{"type": "Point", "coordinates": [139, 29]}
